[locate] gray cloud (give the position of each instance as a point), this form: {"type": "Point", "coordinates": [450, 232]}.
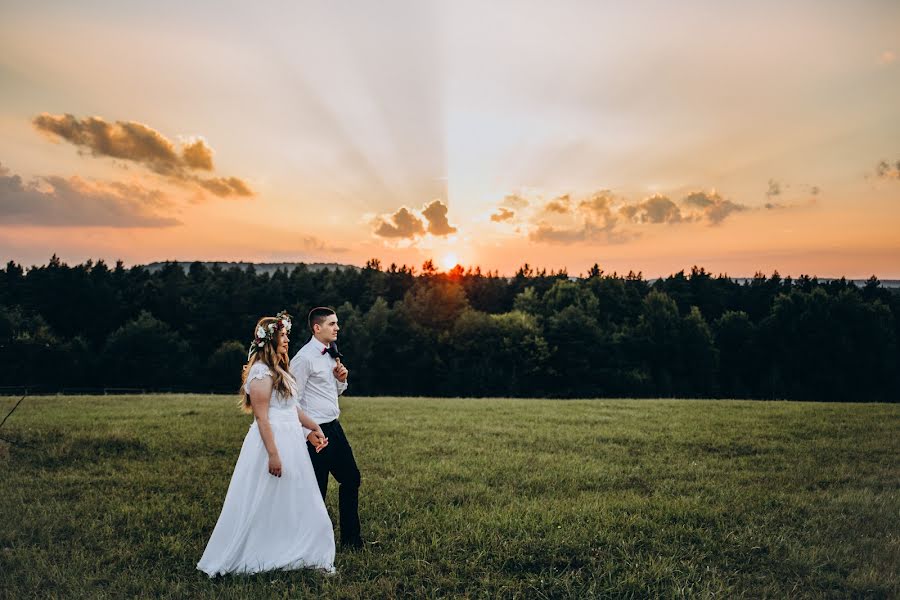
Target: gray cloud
{"type": "Point", "coordinates": [402, 224]}
{"type": "Point", "coordinates": [405, 224]}
{"type": "Point", "coordinates": [559, 235]}
{"type": "Point", "coordinates": [656, 209]}
{"type": "Point", "coordinates": [135, 142]}
{"type": "Point", "coordinates": [778, 190]}
{"type": "Point", "coordinates": [436, 215]}
{"type": "Point", "coordinates": [58, 202]}
{"type": "Point", "coordinates": [886, 170]}
{"type": "Point", "coordinates": [586, 232]}
{"type": "Point", "coordinates": [310, 243]}
{"type": "Point", "coordinates": [712, 206]}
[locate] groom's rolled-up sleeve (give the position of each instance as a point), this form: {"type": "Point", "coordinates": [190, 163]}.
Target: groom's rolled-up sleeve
{"type": "Point", "coordinates": [341, 385]}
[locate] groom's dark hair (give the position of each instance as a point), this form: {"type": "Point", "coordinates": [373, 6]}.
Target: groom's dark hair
{"type": "Point", "coordinates": [318, 315]}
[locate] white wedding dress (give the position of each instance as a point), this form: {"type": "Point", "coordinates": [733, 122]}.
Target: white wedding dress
{"type": "Point", "coordinates": [271, 523]}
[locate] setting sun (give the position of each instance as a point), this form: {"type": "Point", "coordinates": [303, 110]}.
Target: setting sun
{"type": "Point", "coordinates": [449, 261]}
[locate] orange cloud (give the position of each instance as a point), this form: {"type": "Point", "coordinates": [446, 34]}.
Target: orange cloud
{"type": "Point", "coordinates": [592, 220]}
{"type": "Point", "coordinates": [436, 215]}
{"type": "Point", "coordinates": [561, 205]}
{"type": "Point", "coordinates": [135, 142]}
{"type": "Point", "coordinates": [502, 214]}
{"type": "Point", "coordinates": [225, 186]}
{"type": "Point", "coordinates": [197, 155]}
{"type": "Point", "coordinates": [514, 201]}
{"type": "Point", "coordinates": [605, 218]}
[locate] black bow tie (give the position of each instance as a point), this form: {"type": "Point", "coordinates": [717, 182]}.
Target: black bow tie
{"type": "Point", "coordinates": [332, 351]}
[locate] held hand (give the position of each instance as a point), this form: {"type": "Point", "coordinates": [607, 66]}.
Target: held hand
{"type": "Point", "coordinates": [340, 371]}
{"type": "Point", "coordinates": [275, 465]}
{"type": "Point", "coordinates": [317, 439]}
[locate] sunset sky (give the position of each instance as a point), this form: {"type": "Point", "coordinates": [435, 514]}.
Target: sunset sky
{"type": "Point", "coordinates": [651, 136]}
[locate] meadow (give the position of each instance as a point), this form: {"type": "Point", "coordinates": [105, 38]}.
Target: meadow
{"type": "Point", "coordinates": [115, 496]}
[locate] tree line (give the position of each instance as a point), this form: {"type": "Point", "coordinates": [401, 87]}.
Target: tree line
{"type": "Point", "coordinates": [408, 331]}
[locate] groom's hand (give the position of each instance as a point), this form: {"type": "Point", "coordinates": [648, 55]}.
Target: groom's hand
{"type": "Point", "coordinates": [318, 440]}
{"type": "Point", "coordinates": [340, 371]}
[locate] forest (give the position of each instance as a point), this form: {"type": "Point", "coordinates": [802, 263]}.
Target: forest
{"type": "Point", "coordinates": [459, 333]}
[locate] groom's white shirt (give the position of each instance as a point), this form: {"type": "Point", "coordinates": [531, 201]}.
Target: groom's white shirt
{"type": "Point", "coordinates": [317, 387]}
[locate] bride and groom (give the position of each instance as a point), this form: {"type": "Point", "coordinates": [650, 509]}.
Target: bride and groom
{"type": "Point", "coordinates": [274, 515]}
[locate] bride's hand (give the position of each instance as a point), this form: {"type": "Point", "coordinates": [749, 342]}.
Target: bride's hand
{"type": "Point", "coordinates": [317, 439]}
{"type": "Point", "coordinates": [275, 465]}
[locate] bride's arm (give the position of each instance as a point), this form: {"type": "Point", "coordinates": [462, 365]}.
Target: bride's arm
{"type": "Point", "coordinates": [260, 392]}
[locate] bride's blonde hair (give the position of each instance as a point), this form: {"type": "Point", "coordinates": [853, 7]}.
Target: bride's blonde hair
{"type": "Point", "coordinates": [282, 380]}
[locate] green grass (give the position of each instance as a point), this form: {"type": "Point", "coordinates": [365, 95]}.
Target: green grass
{"type": "Point", "coordinates": [116, 497]}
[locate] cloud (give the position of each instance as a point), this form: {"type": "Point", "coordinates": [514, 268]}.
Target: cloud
{"type": "Point", "coordinates": [886, 170]}
{"type": "Point", "coordinates": [712, 206]}
{"type": "Point", "coordinates": [599, 205]}
{"type": "Point", "coordinates": [502, 214]}
{"type": "Point", "coordinates": [402, 224]}
{"type": "Point", "coordinates": [803, 195]}
{"type": "Point", "coordinates": [560, 235]}
{"type": "Point", "coordinates": [406, 224]}
{"type": "Point", "coordinates": [656, 209]}
{"type": "Point", "coordinates": [606, 218]}
{"type": "Point", "coordinates": [586, 232]}
{"type": "Point", "coordinates": [137, 143]}
{"type": "Point", "coordinates": [310, 243]}
{"type": "Point", "coordinates": [197, 155]}
{"type": "Point", "coordinates": [58, 202]}
{"type": "Point", "coordinates": [436, 214]}
{"type": "Point", "coordinates": [561, 205]}
{"type": "Point", "coordinates": [887, 57]}
{"type": "Point", "coordinates": [514, 201]}
{"type": "Point", "coordinates": [592, 220]}
{"type": "Point", "coordinates": [225, 186]}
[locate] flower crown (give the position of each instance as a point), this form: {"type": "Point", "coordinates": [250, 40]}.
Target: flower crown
{"type": "Point", "coordinates": [269, 332]}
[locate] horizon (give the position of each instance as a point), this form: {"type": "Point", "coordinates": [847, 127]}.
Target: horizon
{"type": "Point", "coordinates": [647, 138]}
{"type": "Point", "coordinates": [467, 268]}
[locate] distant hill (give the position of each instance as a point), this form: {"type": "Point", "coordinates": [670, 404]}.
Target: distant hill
{"type": "Point", "coordinates": [290, 266]}
{"type": "Point", "coordinates": [260, 267]}
{"type": "Point", "coordinates": [885, 283]}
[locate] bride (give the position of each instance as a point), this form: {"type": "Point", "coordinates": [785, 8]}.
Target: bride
{"type": "Point", "coordinates": [273, 516]}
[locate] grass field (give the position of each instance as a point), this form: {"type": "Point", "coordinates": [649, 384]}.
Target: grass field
{"type": "Point", "coordinates": [116, 497]}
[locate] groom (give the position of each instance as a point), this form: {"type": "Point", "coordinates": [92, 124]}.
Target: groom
{"type": "Point", "coordinates": [321, 378]}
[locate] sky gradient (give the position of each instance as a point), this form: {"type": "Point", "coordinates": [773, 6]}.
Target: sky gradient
{"type": "Point", "coordinates": [740, 137]}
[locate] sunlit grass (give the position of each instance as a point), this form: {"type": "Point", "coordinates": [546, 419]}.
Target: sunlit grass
{"type": "Point", "coordinates": [116, 497]}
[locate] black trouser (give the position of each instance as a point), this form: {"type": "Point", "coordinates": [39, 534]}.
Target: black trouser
{"type": "Point", "coordinates": [337, 459]}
